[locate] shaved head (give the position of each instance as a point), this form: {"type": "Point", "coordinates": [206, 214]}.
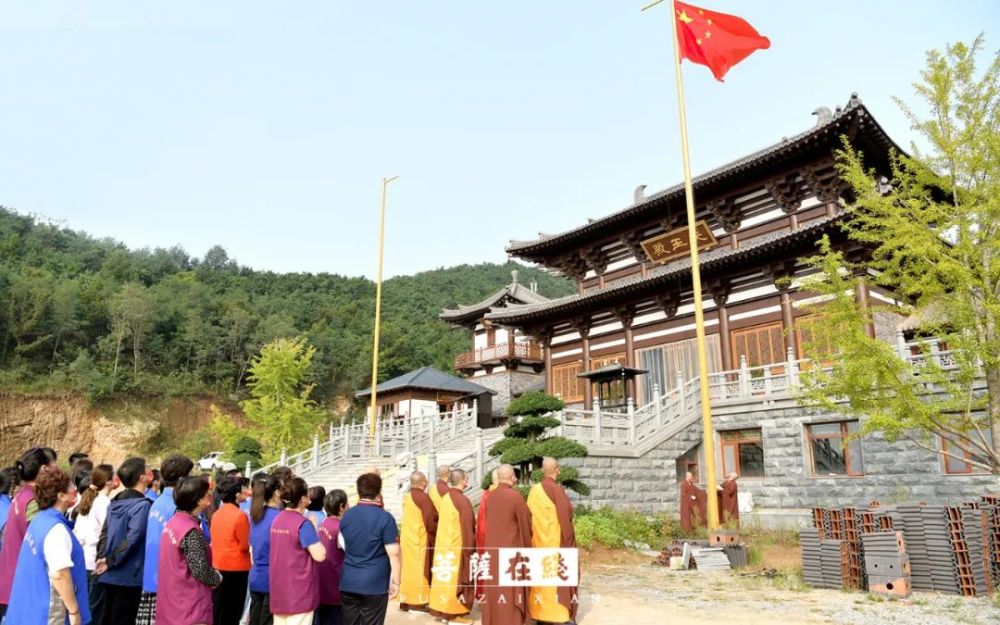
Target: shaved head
{"type": "Point", "coordinates": [505, 474]}
{"type": "Point", "coordinates": [550, 466]}
{"type": "Point", "coordinates": [443, 471]}
{"type": "Point", "coordinates": [457, 477]}
{"type": "Point", "coordinates": [418, 480]}
{"type": "Point", "coordinates": [373, 470]}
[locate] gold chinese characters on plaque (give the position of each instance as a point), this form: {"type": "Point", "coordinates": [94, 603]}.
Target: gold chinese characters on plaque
{"type": "Point", "coordinates": [674, 244]}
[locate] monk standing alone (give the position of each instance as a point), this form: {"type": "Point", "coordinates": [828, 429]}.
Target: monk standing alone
{"type": "Point", "coordinates": [551, 528]}
{"type": "Point", "coordinates": [729, 506]}
{"type": "Point", "coordinates": [692, 506]}
{"type": "Point", "coordinates": [452, 588]}
{"type": "Point", "coordinates": [419, 529]}
{"type": "Point", "coordinates": [508, 523]}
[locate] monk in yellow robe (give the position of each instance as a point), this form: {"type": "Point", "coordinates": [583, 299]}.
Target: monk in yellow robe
{"type": "Point", "coordinates": [419, 528]}
{"type": "Point", "coordinates": [441, 487]}
{"type": "Point", "coordinates": [452, 587]}
{"type": "Point", "coordinates": [509, 527]}
{"type": "Point", "coordinates": [551, 528]}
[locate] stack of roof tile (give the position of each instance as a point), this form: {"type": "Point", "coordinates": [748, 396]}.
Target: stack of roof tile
{"type": "Point", "coordinates": [974, 531]}
{"type": "Point", "coordinates": [916, 543]}
{"type": "Point", "coordinates": [940, 553]}
{"type": "Point", "coordinates": [812, 568]}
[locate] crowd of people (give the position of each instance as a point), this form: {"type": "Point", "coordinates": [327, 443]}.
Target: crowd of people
{"type": "Point", "coordinates": [134, 545]}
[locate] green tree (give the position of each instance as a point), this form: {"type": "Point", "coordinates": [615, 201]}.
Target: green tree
{"type": "Point", "coordinates": [280, 409]}
{"type": "Point", "coordinates": [246, 449]}
{"type": "Point", "coordinates": [525, 443]}
{"type": "Point", "coordinates": [934, 228]}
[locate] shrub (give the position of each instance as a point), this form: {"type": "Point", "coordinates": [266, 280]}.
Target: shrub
{"type": "Point", "coordinates": [534, 403]}
{"type": "Point", "coordinates": [614, 528]}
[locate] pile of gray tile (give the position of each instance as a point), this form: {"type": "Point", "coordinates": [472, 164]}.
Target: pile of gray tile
{"type": "Point", "coordinates": [706, 559]}
{"type": "Point", "coordinates": [812, 566]}
{"type": "Point", "coordinates": [940, 550]}
{"type": "Point", "coordinates": [916, 545]}
{"type": "Point", "coordinates": [887, 565]}
{"type": "Point", "coordinates": [974, 529]}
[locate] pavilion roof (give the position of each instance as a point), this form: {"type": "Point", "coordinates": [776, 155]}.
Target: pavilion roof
{"type": "Point", "coordinates": [853, 119]}
{"type": "Point", "coordinates": [427, 378]}
{"type": "Point", "coordinates": [513, 293]}
{"type": "Point", "coordinates": [713, 262]}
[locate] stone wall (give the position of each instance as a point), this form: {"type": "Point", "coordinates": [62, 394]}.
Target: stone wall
{"type": "Point", "coordinates": [894, 472]}
{"type": "Point", "coordinates": [508, 385]}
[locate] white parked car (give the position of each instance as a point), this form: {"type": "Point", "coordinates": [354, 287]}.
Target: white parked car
{"type": "Point", "coordinates": [211, 461]}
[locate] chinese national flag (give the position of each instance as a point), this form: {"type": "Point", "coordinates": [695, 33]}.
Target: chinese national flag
{"type": "Point", "coordinates": [715, 39]}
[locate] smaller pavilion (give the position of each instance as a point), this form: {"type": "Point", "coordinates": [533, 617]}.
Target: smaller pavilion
{"type": "Point", "coordinates": [426, 391]}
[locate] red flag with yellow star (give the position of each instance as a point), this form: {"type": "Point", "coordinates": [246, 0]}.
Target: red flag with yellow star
{"type": "Point", "coordinates": [715, 39]}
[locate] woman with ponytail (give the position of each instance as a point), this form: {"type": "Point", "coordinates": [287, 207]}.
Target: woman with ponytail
{"type": "Point", "coordinates": [91, 513]}
{"type": "Point", "coordinates": [22, 510]}
{"type": "Point", "coordinates": [265, 504]}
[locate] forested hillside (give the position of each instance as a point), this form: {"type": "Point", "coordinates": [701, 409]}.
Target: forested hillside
{"type": "Point", "coordinates": [90, 315]}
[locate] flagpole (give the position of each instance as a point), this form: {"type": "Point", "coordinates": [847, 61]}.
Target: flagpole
{"type": "Point", "coordinates": [378, 314]}
{"type": "Point", "coordinates": [708, 434]}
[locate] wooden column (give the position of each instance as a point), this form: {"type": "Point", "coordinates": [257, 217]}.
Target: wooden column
{"type": "Point", "coordinates": [583, 327]}
{"type": "Point", "coordinates": [719, 290]}
{"type": "Point", "coordinates": [626, 315]}
{"type": "Point", "coordinates": [545, 338]}
{"type": "Point", "coordinates": [788, 322]}
{"type": "Point", "coordinates": [831, 209]}
{"type": "Point", "coordinates": [862, 296]}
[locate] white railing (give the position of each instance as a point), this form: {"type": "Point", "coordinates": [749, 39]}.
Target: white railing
{"type": "Point", "coordinates": [393, 436]}
{"type": "Point", "coordinates": [679, 406]}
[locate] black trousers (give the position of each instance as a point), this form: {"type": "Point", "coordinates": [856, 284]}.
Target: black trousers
{"type": "Point", "coordinates": [328, 615]}
{"type": "Point", "coordinates": [121, 604]}
{"type": "Point", "coordinates": [364, 609]}
{"type": "Point", "coordinates": [95, 592]}
{"type": "Point", "coordinates": [229, 597]}
{"type": "Point", "coordinates": [260, 609]}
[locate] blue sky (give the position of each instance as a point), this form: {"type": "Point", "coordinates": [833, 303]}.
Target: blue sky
{"type": "Point", "coordinates": [266, 127]}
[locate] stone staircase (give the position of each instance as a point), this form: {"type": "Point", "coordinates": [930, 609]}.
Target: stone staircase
{"type": "Point", "coordinates": [460, 452]}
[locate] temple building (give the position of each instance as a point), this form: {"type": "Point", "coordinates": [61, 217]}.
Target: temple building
{"type": "Point", "coordinates": [759, 217]}
{"type": "Point", "coordinates": [501, 359]}
{"type": "Point", "coordinates": [427, 391]}
{"type": "Point", "coordinates": [628, 334]}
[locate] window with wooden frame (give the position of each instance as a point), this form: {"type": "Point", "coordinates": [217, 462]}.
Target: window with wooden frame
{"type": "Point", "coordinates": [811, 334]}
{"type": "Point", "coordinates": [834, 450]}
{"type": "Point", "coordinates": [762, 345]}
{"type": "Point", "coordinates": [954, 466]}
{"type": "Point", "coordinates": [565, 384]}
{"type": "Point", "coordinates": [742, 452]}
{"type": "Point", "coordinates": [664, 362]}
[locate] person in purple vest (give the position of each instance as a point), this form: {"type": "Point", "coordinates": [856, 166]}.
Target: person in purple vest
{"type": "Point", "coordinates": [264, 508]}
{"type": "Point", "coordinates": [121, 548]}
{"type": "Point", "coordinates": [369, 537]}
{"type": "Point", "coordinates": [23, 509]}
{"type": "Point", "coordinates": [50, 585]}
{"type": "Point", "coordinates": [329, 613]}
{"type": "Point", "coordinates": [186, 577]}
{"type": "Point", "coordinates": [295, 550]}
{"type": "Point", "coordinates": [174, 467]}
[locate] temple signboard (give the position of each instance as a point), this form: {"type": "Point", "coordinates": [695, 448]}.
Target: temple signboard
{"type": "Point", "coordinates": [671, 245]}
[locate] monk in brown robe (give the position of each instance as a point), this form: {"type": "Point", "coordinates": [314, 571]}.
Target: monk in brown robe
{"type": "Point", "coordinates": [552, 527]}
{"type": "Point", "coordinates": [509, 526]}
{"type": "Point", "coordinates": [452, 585]}
{"type": "Point", "coordinates": [729, 506]}
{"type": "Point", "coordinates": [693, 503]}
{"type": "Point", "coordinates": [441, 486]}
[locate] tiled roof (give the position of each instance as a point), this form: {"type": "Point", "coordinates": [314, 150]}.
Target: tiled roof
{"type": "Point", "coordinates": [427, 378]}
{"type": "Point", "coordinates": [514, 293]}
{"type": "Point", "coordinates": [708, 261]}
{"type": "Point", "coordinates": [854, 110]}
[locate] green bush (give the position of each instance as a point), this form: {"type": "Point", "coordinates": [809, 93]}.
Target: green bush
{"type": "Point", "coordinates": [613, 528]}
{"type": "Point", "coordinates": [534, 403]}
{"type": "Point", "coordinates": [246, 449]}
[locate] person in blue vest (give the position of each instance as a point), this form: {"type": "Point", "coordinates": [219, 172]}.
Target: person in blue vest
{"type": "Point", "coordinates": [121, 549]}
{"type": "Point", "coordinates": [172, 469]}
{"type": "Point", "coordinates": [50, 581]}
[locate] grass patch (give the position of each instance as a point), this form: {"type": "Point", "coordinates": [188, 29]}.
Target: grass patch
{"type": "Point", "coordinates": [616, 529]}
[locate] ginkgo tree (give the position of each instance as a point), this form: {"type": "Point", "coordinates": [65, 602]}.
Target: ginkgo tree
{"type": "Point", "coordinates": [933, 228]}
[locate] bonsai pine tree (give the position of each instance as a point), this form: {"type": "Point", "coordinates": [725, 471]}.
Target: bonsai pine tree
{"type": "Point", "coordinates": [524, 442]}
